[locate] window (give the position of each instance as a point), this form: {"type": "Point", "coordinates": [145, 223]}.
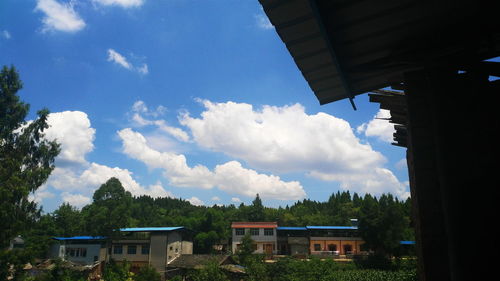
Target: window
{"type": "Point", "coordinates": [76, 252]}
{"type": "Point", "coordinates": [131, 249]}
{"type": "Point", "coordinates": [254, 247]}
{"type": "Point", "coordinates": [268, 231]}
{"type": "Point", "coordinates": [317, 247]}
{"type": "Point", "coordinates": [254, 231]}
{"type": "Point", "coordinates": [117, 250]}
{"type": "Point", "coordinates": [332, 247]}
{"type": "Point", "coordinates": [145, 249]}
{"type": "Point", "coordinates": [240, 231]}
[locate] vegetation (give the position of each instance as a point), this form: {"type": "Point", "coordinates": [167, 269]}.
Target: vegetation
{"type": "Point", "coordinates": [26, 161]}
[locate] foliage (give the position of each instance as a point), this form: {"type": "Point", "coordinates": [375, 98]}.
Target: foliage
{"type": "Point", "coordinates": [114, 271]}
{"type": "Point", "coordinates": [210, 272]}
{"type": "Point", "coordinates": [26, 161]}
{"type": "Point", "coordinates": [147, 273]}
{"type": "Point", "coordinates": [246, 249]}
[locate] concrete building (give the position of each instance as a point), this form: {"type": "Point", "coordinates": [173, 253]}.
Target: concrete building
{"type": "Point", "coordinates": [140, 246]}
{"type": "Point", "coordinates": [263, 234]}
{"type": "Point", "coordinates": [84, 250]}
{"type": "Point", "coordinates": [308, 240]}
{"type": "Point", "coordinates": [154, 246]}
{"type": "Point", "coordinates": [334, 240]}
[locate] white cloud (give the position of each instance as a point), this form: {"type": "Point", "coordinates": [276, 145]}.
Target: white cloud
{"type": "Point", "coordinates": [378, 127]}
{"type": "Point", "coordinates": [140, 107]}
{"type": "Point", "coordinates": [286, 139]}
{"type": "Point", "coordinates": [235, 200]}
{"type": "Point", "coordinates": [230, 177]}
{"type": "Point", "coordinates": [215, 198]}
{"type": "Point", "coordinates": [74, 175]}
{"type": "Point", "coordinates": [73, 131]}
{"type": "Point", "coordinates": [117, 58]}
{"type": "Point", "coordinates": [59, 16]}
{"type": "Point", "coordinates": [5, 34]}
{"type": "Point", "coordinates": [76, 200]}
{"type": "Point", "coordinates": [195, 201]}
{"type": "Point", "coordinates": [263, 22]}
{"type": "Point", "coordinates": [143, 69]}
{"type": "Point", "coordinates": [121, 3]}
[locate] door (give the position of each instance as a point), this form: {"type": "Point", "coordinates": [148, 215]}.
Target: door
{"type": "Point", "coordinates": [268, 249]}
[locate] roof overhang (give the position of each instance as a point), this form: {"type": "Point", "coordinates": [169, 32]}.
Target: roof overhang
{"type": "Point", "coordinates": [347, 47]}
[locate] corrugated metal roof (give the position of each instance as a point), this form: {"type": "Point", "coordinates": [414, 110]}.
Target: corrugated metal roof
{"type": "Point", "coordinates": [331, 227]}
{"type": "Point", "coordinates": [407, 242]}
{"type": "Point", "coordinates": [291, 228]}
{"type": "Point", "coordinates": [151, 229]}
{"type": "Point", "coordinates": [80, 238]}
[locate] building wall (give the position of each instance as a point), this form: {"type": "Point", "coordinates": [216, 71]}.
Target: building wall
{"type": "Point", "coordinates": [174, 246]}
{"type": "Point", "coordinates": [62, 250]}
{"type": "Point", "coordinates": [339, 242]}
{"type": "Point", "coordinates": [259, 239]}
{"type": "Point", "coordinates": [158, 252]}
{"type": "Point", "coordinates": [187, 247]}
{"type": "Point", "coordinates": [137, 257]}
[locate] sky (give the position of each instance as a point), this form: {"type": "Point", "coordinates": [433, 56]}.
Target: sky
{"type": "Point", "coordinates": [192, 99]}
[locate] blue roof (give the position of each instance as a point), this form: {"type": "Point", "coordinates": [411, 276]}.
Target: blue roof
{"type": "Point", "coordinates": [331, 227]}
{"type": "Point", "coordinates": [151, 229]}
{"type": "Point", "coordinates": [80, 238]}
{"type": "Point", "coordinates": [291, 228]}
{"type": "Point", "coordinates": [407, 242]}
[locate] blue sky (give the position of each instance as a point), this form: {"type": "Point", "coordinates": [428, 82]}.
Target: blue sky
{"type": "Point", "coordinates": [197, 100]}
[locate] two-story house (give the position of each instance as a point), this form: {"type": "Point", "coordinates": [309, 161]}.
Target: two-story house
{"type": "Point", "coordinates": [263, 234]}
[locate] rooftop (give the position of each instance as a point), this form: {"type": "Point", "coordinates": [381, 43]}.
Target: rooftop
{"type": "Point", "coordinates": [254, 225]}
{"type": "Point", "coordinates": [79, 238]}
{"type": "Point", "coordinates": [151, 229]}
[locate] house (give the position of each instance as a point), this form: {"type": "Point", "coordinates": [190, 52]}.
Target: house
{"type": "Point", "coordinates": [300, 241]}
{"type": "Point", "coordinates": [154, 246]}
{"type": "Point", "coordinates": [293, 240]}
{"type": "Point", "coordinates": [334, 240]}
{"type": "Point", "coordinates": [16, 243]}
{"type": "Point", "coordinates": [263, 234]}
{"type": "Point", "coordinates": [83, 250]}
{"type": "Point", "coordinates": [140, 246]}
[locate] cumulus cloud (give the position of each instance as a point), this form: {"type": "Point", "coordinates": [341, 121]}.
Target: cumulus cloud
{"type": "Point", "coordinates": [139, 109]}
{"type": "Point", "coordinates": [76, 200]}
{"type": "Point", "coordinates": [195, 201]}
{"type": "Point", "coordinates": [73, 131]}
{"type": "Point", "coordinates": [74, 176]}
{"type": "Point", "coordinates": [230, 177]}
{"type": "Point", "coordinates": [379, 127]}
{"type": "Point", "coordinates": [287, 139]}
{"type": "Point", "coordinates": [59, 16]}
{"type": "Point", "coordinates": [120, 3]}
{"type": "Point", "coordinates": [235, 200]}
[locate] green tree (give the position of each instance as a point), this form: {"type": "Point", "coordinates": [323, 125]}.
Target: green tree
{"type": "Point", "coordinates": [68, 220]}
{"type": "Point", "coordinates": [110, 209]}
{"type": "Point", "coordinates": [26, 158]}
{"type": "Point", "coordinates": [256, 210]}
{"type": "Point", "coordinates": [147, 273]}
{"type": "Point", "coordinates": [26, 161]}
{"type": "Point", "coordinates": [209, 272]}
{"type": "Point", "coordinates": [246, 248]}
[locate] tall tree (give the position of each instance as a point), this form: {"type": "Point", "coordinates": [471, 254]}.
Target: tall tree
{"type": "Point", "coordinates": [26, 158]}
{"type": "Point", "coordinates": [110, 209]}
{"type": "Point", "coordinates": [26, 161]}
{"type": "Point", "coordinates": [256, 210]}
